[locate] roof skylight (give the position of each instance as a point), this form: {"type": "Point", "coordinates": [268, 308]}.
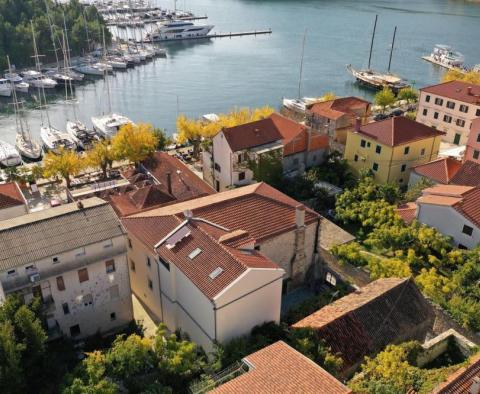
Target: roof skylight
{"type": "Point", "coordinates": [215, 273]}
{"type": "Point", "coordinates": [194, 253]}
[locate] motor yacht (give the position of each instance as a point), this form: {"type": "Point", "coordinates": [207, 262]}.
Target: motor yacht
{"type": "Point", "coordinates": [59, 77]}
{"type": "Point", "coordinates": [178, 30]}
{"type": "Point", "coordinates": [109, 125]}
{"type": "Point", "coordinates": [38, 80]}
{"type": "Point", "coordinates": [89, 69]}
{"type": "Point", "coordinates": [18, 83]}
{"type": "Point", "coordinates": [9, 157]}
{"type": "Point", "coordinates": [446, 56]}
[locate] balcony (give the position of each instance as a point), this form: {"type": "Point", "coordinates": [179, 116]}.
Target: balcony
{"type": "Point", "coordinates": [55, 269]}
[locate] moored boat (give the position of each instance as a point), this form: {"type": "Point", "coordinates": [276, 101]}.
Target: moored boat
{"type": "Point", "coordinates": [54, 140]}
{"type": "Point", "coordinates": [109, 125]}
{"type": "Point", "coordinates": [9, 157]}
{"type": "Point", "coordinates": [5, 87]}
{"type": "Point", "coordinates": [83, 137]}
{"type": "Point", "coordinates": [178, 30]}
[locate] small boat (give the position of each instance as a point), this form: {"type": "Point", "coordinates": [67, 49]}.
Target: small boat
{"type": "Point", "coordinates": [444, 55]}
{"type": "Point", "coordinates": [297, 105]}
{"type": "Point", "coordinates": [77, 77]}
{"type": "Point", "coordinates": [88, 69]}
{"type": "Point", "coordinates": [59, 77]}
{"type": "Point", "coordinates": [38, 80]}
{"type": "Point", "coordinates": [83, 137]}
{"type": "Point", "coordinates": [109, 125]}
{"type": "Point", "coordinates": [53, 139]}
{"type": "Point", "coordinates": [117, 63]}
{"type": "Point", "coordinates": [5, 87]}
{"type": "Point", "coordinates": [178, 30]}
{"type": "Point", "coordinates": [9, 157]}
{"type": "Point", "coordinates": [18, 83]}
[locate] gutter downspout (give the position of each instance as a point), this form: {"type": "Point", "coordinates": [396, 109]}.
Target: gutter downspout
{"type": "Point", "coordinates": [160, 289]}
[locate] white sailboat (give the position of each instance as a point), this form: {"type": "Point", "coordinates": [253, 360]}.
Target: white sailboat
{"type": "Point", "coordinates": [18, 83]}
{"type": "Point", "coordinates": [9, 157]}
{"type": "Point", "coordinates": [5, 88]}
{"type": "Point", "coordinates": [108, 125]}
{"type": "Point", "coordinates": [28, 148]}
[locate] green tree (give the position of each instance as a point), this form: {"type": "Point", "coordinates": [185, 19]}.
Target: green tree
{"type": "Point", "coordinates": [267, 167]}
{"type": "Point", "coordinates": [408, 94]}
{"type": "Point", "coordinates": [101, 155]}
{"type": "Point", "coordinates": [163, 139]}
{"type": "Point", "coordinates": [135, 142]}
{"type": "Point", "coordinates": [415, 191]}
{"type": "Point", "coordinates": [384, 98]}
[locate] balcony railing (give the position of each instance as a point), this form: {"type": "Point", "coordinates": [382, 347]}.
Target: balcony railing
{"type": "Point", "coordinates": [20, 281]}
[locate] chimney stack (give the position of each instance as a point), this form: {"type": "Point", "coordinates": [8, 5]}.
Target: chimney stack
{"type": "Point", "coordinates": [300, 216]}
{"type": "Point", "coordinates": [475, 388]}
{"type": "Point", "coordinates": [469, 90]}
{"type": "Point", "coordinates": [358, 123]}
{"type": "Point", "coordinates": [169, 183]}
{"type": "Point", "coordinates": [188, 214]}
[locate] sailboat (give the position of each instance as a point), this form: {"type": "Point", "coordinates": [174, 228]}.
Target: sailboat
{"type": "Point", "coordinates": [28, 148]}
{"type": "Point", "coordinates": [52, 138]}
{"type": "Point", "coordinates": [108, 125]}
{"type": "Point", "coordinates": [378, 80]}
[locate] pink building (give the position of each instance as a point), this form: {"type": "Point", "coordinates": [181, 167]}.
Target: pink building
{"type": "Point", "coordinates": [473, 144]}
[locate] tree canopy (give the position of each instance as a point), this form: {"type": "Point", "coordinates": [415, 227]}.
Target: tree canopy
{"type": "Point", "coordinates": [455, 75]}
{"type": "Point", "coordinates": [135, 142]}
{"type": "Point", "coordinates": [384, 98]}
{"type": "Point", "coordinates": [65, 164]}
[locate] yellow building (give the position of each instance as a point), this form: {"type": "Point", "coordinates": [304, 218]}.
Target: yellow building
{"type": "Point", "coordinates": [391, 147]}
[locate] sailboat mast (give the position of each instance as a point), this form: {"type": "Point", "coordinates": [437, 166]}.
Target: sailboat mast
{"type": "Point", "coordinates": [15, 102]}
{"type": "Point", "coordinates": [106, 72]}
{"type": "Point", "coordinates": [301, 65]}
{"type": "Point", "coordinates": [391, 49]}
{"type": "Point", "coordinates": [52, 35]}
{"type": "Point", "coordinates": [371, 44]}
{"type": "Point", "coordinates": [41, 90]}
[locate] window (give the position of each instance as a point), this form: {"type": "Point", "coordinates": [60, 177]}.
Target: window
{"type": "Point", "coordinates": [363, 143]}
{"type": "Point", "coordinates": [460, 122]}
{"type": "Point", "coordinates": [12, 273]}
{"type": "Point", "coordinates": [113, 316]}
{"type": "Point", "coordinates": [132, 265]}
{"type": "Point", "coordinates": [83, 275]}
{"type": "Point", "coordinates": [375, 167]}
{"type": "Point", "coordinates": [404, 167]}
{"type": "Point", "coordinates": [427, 98]}
{"type": "Point", "coordinates": [129, 243]}
{"type": "Point", "coordinates": [368, 144]}
{"type": "Point", "coordinates": [60, 283]}
{"type": "Point", "coordinates": [114, 292]}
{"type": "Point", "coordinates": [355, 158]}
{"type": "Point", "coordinates": [217, 167]}
{"type": "Point", "coordinates": [451, 105]}
{"type": "Point", "coordinates": [460, 246]}
{"type": "Point", "coordinates": [257, 247]}
{"type": "Point", "coordinates": [87, 299]}
{"type": "Point", "coordinates": [400, 180]}
{"type": "Point", "coordinates": [447, 118]}
{"type": "Point", "coordinates": [456, 139]}
{"type": "Point", "coordinates": [108, 244]}
{"type": "Point", "coordinates": [378, 149]}
{"type": "Point", "coordinates": [110, 266]}
{"type": "Point", "coordinates": [329, 278]}
{"type": "Point", "coordinates": [406, 151]}
{"type": "Point", "coordinates": [75, 330]}
{"type": "Point", "coordinates": [240, 158]}
{"type": "Point", "coordinates": [55, 260]}
{"type": "Point", "coordinates": [150, 284]}
{"type": "Point", "coordinates": [478, 137]}
{"type": "Point", "coordinates": [149, 263]}
{"type": "Point", "coordinates": [241, 176]}
{"type": "Point", "coordinates": [439, 101]}
{"type": "Point", "coordinates": [435, 115]}
{"type": "Point", "coordinates": [467, 230]}
{"type": "Point", "coordinates": [66, 309]}
{"type": "Point", "coordinates": [80, 252]}
{"type": "Point", "coordinates": [476, 154]}
{"type": "Point", "coordinates": [422, 152]}
{"type": "Point", "coordinates": [478, 112]}
{"type": "Point", "coordinates": [164, 263]}
{"type": "Point", "coordinates": [464, 108]}
{"type": "Point", "coordinates": [425, 112]}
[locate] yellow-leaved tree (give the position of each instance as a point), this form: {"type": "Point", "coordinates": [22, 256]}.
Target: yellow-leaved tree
{"type": "Point", "coordinates": [101, 155]}
{"type": "Point", "coordinates": [455, 75]}
{"type": "Point", "coordinates": [194, 130]}
{"type": "Point", "coordinates": [65, 164]}
{"type": "Point", "coordinates": [135, 142]}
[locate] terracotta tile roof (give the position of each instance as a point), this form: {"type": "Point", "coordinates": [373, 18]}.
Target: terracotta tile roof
{"type": "Point", "coordinates": [469, 206]}
{"type": "Point", "coordinates": [185, 186]}
{"type": "Point", "coordinates": [280, 369]}
{"type": "Point", "coordinates": [467, 175]}
{"type": "Point", "coordinates": [440, 170]}
{"type": "Point", "coordinates": [10, 195]}
{"type": "Point", "coordinates": [398, 130]}
{"type": "Point", "coordinates": [213, 255]}
{"type": "Point", "coordinates": [259, 209]}
{"type": "Point", "coordinates": [335, 109]}
{"type": "Point", "coordinates": [407, 212]}
{"type": "Point", "coordinates": [456, 90]}
{"type": "Point", "coordinates": [364, 322]}
{"type": "Point", "coordinates": [461, 381]}
{"type": "Point", "coordinates": [448, 190]}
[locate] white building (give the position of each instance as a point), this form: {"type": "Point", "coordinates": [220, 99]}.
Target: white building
{"type": "Point", "coordinates": [450, 107]}
{"type": "Point", "coordinates": [454, 211]}
{"type": "Point", "coordinates": [12, 201]}
{"type": "Point", "coordinates": [74, 258]}
{"type": "Point", "coordinates": [225, 164]}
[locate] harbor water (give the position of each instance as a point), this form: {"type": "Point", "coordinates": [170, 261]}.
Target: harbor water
{"type": "Point", "coordinates": [215, 75]}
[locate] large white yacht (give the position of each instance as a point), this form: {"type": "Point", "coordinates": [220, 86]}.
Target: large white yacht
{"type": "Point", "coordinates": [446, 56]}
{"type": "Point", "coordinates": [9, 157]}
{"type": "Point", "coordinates": [178, 30]}
{"type": "Point", "coordinates": [109, 125]}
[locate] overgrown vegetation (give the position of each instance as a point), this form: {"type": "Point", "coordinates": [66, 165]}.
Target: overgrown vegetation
{"type": "Point", "coordinates": [16, 33]}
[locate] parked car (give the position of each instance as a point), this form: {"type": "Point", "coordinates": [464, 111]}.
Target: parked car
{"type": "Point", "coordinates": [396, 112]}
{"type": "Point", "coordinates": [378, 117]}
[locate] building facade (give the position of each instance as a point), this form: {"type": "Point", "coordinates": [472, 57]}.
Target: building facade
{"type": "Point", "coordinates": [391, 147]}
{"type": "Point", "coordinates": [450, 107]}
{"type": "Point", "coordinates": [472, 151]}
{"type": "Point", "coordinates": [73, 258]}
{"type": "Point", "coordinates": [12, 201]}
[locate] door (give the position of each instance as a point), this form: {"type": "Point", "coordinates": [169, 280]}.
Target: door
{"type": "Point", "coordinates": [456, 140]}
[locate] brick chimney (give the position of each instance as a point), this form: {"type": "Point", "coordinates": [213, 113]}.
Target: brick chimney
{"type": "Point", "coordinates": [169, 183]}
{"type": "Point", "coordinates": [358, 124]}
{"type": "Point", "coordinates": [475, 387]}
{"type": "Point", "coordinates": [469, 90]}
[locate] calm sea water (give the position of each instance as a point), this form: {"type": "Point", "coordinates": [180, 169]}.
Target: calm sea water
{"type": "Point", "coordinates": [215, 75]}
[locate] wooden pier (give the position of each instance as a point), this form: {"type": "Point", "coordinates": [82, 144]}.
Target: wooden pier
{"type": "Point", "coordinates": [217, 35]}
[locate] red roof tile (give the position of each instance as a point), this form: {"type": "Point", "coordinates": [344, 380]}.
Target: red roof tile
{"type": "Point", "coordinates": [280, 369]}
{"type": "Point", "coordinates": [336, 108]}
{"type": "Point", "coordinates": [467, 175]}
{"type": "Point", "coordinates": [461, 381]}
{"type": "Point", "coordinates": [364, 322]}
{"type": "Point", "coordinates": [407, 212]}
{"type": "Point", "coordinates": [398, 130]}
{"type": "Point", "coordinates": [457, 90]}
{"type": "Point", "coordinates": [469, 206]}
{"type": "Point", "coordinates": [440, 170]}
{"type": "Point", "coordinates": [10, 195]}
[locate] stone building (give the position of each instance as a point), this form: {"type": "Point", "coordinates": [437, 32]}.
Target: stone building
{"type": "Point", "coordinates": [12, 201]}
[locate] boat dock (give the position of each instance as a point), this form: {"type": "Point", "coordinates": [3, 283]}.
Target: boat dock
{"type": "Point", "coordinates": [219, 35]}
